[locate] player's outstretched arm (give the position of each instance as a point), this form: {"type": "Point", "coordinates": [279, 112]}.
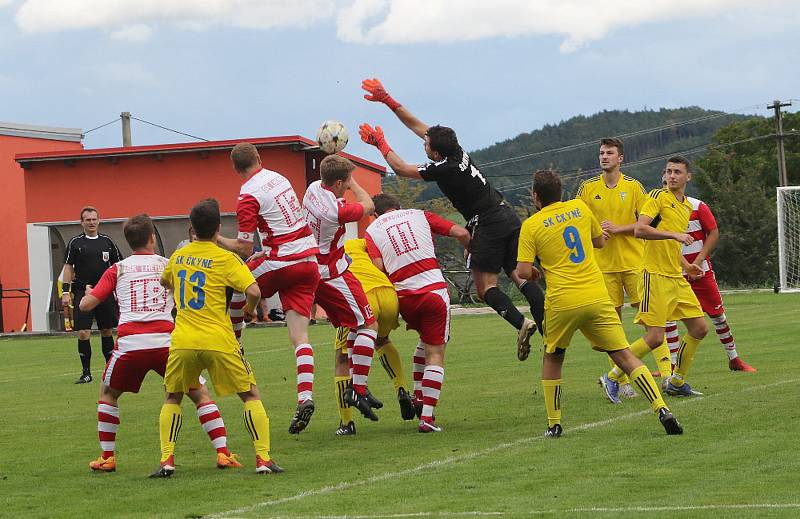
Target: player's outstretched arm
{"type": "Point", "coordinates": [461, 234]}
{"type": "Point", "coordinates": [377, 93]}
{"type": "Point", "coordinates": [527, 270]}
{"type": "Point", "coordinates": [88, 302]}
{"type": "Point", "coordinates": [362, 197]}
{"type": "Point", "coordinates": [375, 137]}
{"type": "Point", "coordinates": [253, 294]}
{"type": "Point", "coordinates": [241, 247]}
{"type": "Point", "coordinates": [646, 231]}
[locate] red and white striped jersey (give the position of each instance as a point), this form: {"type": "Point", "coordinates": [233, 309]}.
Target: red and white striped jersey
{"type": "Point", "coordinates": [145, 308]}
{"type": "Point", "coordinates": [701, 222]}
{"type": "Point", "coordinates": [403, 239]}
{"type": "Point", "coordinates": [268, 203]}
{"type": "Point", "coordinates": [326, 215]}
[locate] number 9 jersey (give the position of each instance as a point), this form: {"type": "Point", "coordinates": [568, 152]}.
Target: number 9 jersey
{"type": "Point", "coordinates": [560, 236]}
{"type": "Point", "coordinates": [200, 274]}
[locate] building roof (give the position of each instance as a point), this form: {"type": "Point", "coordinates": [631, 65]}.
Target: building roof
{"type": "Point", "coordinates": [298, 142]}
{"type": "Point", "coordinates": [41, 132]}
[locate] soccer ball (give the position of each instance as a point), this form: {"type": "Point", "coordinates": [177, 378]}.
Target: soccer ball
{"type": "Point", "coordinates": [332, 137]}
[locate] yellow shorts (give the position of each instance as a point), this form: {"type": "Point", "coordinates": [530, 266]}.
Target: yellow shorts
{"type": "Point", "coordinates": [620, 283]}
{"type": "Point", "coordinates": [229, 372]}
{"type": "Point", "coordinates": [598, 322]}
{"type": "Point", "coordinates": [665, 299]}
{"type": "Point", "coordinates": [386, 308]}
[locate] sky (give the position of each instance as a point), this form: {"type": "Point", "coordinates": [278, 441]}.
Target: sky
{"type": "Point", "coordinates": [226, 69]}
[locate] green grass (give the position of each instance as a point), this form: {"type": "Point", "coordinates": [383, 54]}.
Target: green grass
{"type": "Point", "coordinates": [740, 445]}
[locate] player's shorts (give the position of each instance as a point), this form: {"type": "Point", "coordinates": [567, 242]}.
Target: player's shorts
{"type": "Point", "coordinates": [495, 236]}
{"type": "Point", "coordinates": [707, 292]}
{"type": "Point", "coordinates": [125, 371]}
{"type": "Point", "coordinates": [385, 306]}
{"type": "Point", "coordinates": [665, 299]}
{"type": "Point", "coordinates": [229, 371]}
{"type": "Point", "coordinates": [295, 283]}
{"type": "Point", "coordinates": [598, 322]}
{"type": "Point", "coordinates": [620, 283]}
{"type": "Point", "coordinates": [344, 301]}
{"type": "Point", "coordinates": [105, 313]}
{"type": "Point", "coordinates": [429, 315]}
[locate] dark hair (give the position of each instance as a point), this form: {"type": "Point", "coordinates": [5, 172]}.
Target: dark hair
{"type": "Point", "coordinates": [333, 168]}
{"type": "Point", "coordinates": [138, 230]}
{"type": "Point", "coordinates": [613, 141]}
{"type": "Point", "coordinates": [680, 159]}
{"type": "Point", "coordinates": [443, 140]}
{"type": "Point", "coordinates": [384, 202]}
{"type": "Point", "coordinates": [88, 209]}
{"type": "Point", "coordinates": [244, 156]}
{"type": "Point", "coordinates": [205, 218]}
{"type": "Point", "coordinates": [547, 185]}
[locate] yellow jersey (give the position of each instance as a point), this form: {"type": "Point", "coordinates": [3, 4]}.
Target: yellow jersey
{"type": "Point", "coordinates": [620, 205]}
{"type": "Point", "coordinates": [668, 214]}
{"type": "Point", "coordinates": [200, 274]}
{"type": "Point", "coordinates": [560, 235]}
{"type": "Point", "coordinates": [362, 267]}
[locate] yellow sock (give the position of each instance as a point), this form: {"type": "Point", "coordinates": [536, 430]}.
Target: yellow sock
{"type": "Point", "coordinates": [686, 352]}
{"type": "Point", "coordinates": [345, 411]}
{"type": "Point", "coordinates": [639, 348]}
{"type": "Point", "coordinates": [390, 360]}
{"type": "Point", "coordinates": [552, 400]}
{"type": "Point", "coordinates": [169, 425]}
{"type": "Point", "coordinates": [256, 422]}
{"type": "Point", "coordinates": [643, 380]}
{"type": "Point", "coordinates": [663, 359]}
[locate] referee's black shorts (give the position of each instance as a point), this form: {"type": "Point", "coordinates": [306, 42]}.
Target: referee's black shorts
{"type": "Point", "coordinates": [495, 236]}
{"type": "Point", "coordinates": [105, 314]}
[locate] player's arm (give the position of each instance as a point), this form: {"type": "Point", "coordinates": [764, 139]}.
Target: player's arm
{"type": "Point", "coordinates": [646, 231]}
{"type": "Point", "coordinates": [375, 137]}
{"type": "Point", "coordinates": [526, 253]}
{"type": "Point", "coordinates": [377, 93]}
{"type": "Point", "coordinates": [444, 227]}
{"type": "Point", "coordinates": [253, 295]}
{"type": "Point", "coordinates": [709, 226]}
{"type": "Point", "coordinates": [693, 271]}
{"type": "Point", "coordinates": [247, 209]}
{"type": "Point", "coordinates": [239, 246]}
{"type": "Point", "coordinates": [374, 253]}
{"type": "Point", "coordinates": [641, 199]}
{"type": "Point", "coordinates": [99, 293]}
{"type": "Point", "coordinates": [612, 228]}
{"type": "Point", "coordinates": [599, 233]}
{"type": "Point", "coordinates": [67, 275]}
{"type": "Point", "coordinates": [166, 276]}
{"type": "Point", "coordinates": [362, 198]}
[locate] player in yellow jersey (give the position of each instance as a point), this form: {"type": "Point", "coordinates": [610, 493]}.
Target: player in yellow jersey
{"type": "Point", "coordinates": [666, 295]}
{"type": "Point", "coordinates": [562, 236]}
{"type": "Point", "coordinates": [386, 307]}
{"type": "Point", "coordinates": [616, 201]}
{"type": "Point", "coordinates": [199, 275]}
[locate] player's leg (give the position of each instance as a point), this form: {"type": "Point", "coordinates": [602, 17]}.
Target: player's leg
{"type": "Point", "coordinates": [386, 307]}
{"type": "Point", "coordinates": [432, 380]}
{"type": "Point", "coordinates": [418, 370]}
{"type": "Point", "coordinates": [107, 428]}
{"type": "Point", "coordinates": [616, 292]}
{"type": "Point", "coordinates": [236, 313]}
{"type": "Point", "coordinates": [551, 389]}
{"type": "Point", "coordinates": [106, 316]}
{"type": "Point", "coordinates": [214, 426]}
{"type": "Point", "coordinates": [689, 311]}
{"type": "Point", "coordinates": [707, 292]}
{"type": "Point", "coordinates": [342, 382]}
{"type": "Point", "coordinates": [673, 340]}
{"type": "Point", "coordinates": [530, 289]}
{"type": "Point", "coordinates": [256, 421]}
{"type": "Point", "coordinates": [83, 325]}
{"type": "Point", "coordinates": [631, 281]}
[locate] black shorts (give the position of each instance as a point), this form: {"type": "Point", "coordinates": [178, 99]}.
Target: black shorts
{"type": "Point", "coordinates": [495, 236]}
{"type": "Point", "coordinates": [105, 314]}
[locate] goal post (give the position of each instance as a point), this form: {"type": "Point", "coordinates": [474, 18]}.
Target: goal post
{"type": "Point", "coordinates": [789, 238]}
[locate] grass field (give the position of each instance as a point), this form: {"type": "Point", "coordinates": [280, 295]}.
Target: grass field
{"type": "Point", "coordinates": [738, 457]}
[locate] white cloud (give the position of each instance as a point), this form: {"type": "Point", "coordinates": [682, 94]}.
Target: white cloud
{"type": "Point", "coordinates": [133, 19]}
{"type": "Point", "coordinates": [578, 21]}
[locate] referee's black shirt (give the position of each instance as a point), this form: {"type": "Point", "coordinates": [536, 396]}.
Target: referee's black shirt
{"type": "Point", "coordinates": [462, 182]}
{"type": "Point", "coordinates": [90, 258]}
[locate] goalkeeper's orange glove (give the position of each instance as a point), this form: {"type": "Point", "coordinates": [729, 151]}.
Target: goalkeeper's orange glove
{"type": "Point", "coordinates": [375, 137]}
{"type": "Point", "coordinates": [378, 93]}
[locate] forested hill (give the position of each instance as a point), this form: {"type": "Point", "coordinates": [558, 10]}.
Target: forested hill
{"type": "Point", "coordinates": [678, 130]}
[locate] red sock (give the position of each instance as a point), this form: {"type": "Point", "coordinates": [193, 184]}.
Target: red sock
{"type": "Point", "coordinates": [418, 362]}
{"type": "Point", "coordinates": [214, 426]}
{"type": "Point", "coordinates": [304, 356]}
{"type": "Point", "coordinates": [107, 427]}
{"type": "Point", "coordinates": [363, 350]}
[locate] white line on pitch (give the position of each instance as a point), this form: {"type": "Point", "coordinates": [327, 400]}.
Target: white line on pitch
{"type": "Point", "coordinates": [457, 459]}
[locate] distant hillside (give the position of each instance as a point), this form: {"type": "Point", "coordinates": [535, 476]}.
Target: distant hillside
{"type": "Point", "coordinates": [682, 129]}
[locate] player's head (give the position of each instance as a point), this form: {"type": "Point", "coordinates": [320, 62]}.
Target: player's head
{"type": "Point", "coordinates": [335, 172]}
{"type": "Point", "coordinates": [245, 158]}
{"type": "Point", "coordinates": [385, 203]}
{"type": "Point", "coordinates": [677, 173]}
{"type": "Point", "coordinates": [546, 188]}
{"type": "Point", "coordinates": [140, 233]}
{"type": "Point", "coordinates": [90, 220]}
{"type": "Point", "coordinates": [205, 218]}
{"type": "Point", "coordinates": [441, 142]}
{"type": "Point", "coordinates": [611, 153]}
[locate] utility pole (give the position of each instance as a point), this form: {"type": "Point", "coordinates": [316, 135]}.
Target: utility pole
{"type": "Point", "coordinates": [126, 129]}
{"type": "Point", "coordinates": [783, 179]}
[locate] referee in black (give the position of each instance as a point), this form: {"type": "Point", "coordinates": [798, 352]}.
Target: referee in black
{"type": "Point", "coordinates": [491, 220]}
{"type": "Point", "coordinates": [88, 256]}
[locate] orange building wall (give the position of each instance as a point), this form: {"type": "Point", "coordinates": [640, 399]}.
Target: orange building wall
{"type": "Point", "coordinates": [13, 238]}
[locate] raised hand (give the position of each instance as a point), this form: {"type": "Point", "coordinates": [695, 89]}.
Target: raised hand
{"type": "Point", "coordinates": [378, 94]}
{"type": "Point", "coordinates": [374, 136]}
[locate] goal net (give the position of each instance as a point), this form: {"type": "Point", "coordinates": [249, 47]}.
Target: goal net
{"type": "Point", "coordinates": [789, 238]}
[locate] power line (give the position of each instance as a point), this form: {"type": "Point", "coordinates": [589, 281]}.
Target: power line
{"type": "Point", "coordinates": [169, 129]}
{"type": "Point", "coordinates": [101, 126]}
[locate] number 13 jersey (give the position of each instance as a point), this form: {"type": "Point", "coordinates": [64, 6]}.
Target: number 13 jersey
{"type": "Point", "coordinates": [560, 235]}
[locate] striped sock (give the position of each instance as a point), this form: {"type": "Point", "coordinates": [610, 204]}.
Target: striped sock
{"type": "Point", "coordinates": [673, 341]}
{"type": "Point", "coordinates": [363, 350]}
{"type": "Point", "coordinates": [431, 388]}
{"type": "Point", "coordinates": [724, 335]}
{"type": "Point", "coordinates": [236, 311]}
{"type": "Point", "coordinates": [351, 339]}
{"type": "Point", "coordinates": [107, 427]}
{"type": "Point", "coordinates": [304, 355]}
{"type": "Point", "coordinates": [214, 426]}
{"type": "Point", "coordinates": [419, 368]}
